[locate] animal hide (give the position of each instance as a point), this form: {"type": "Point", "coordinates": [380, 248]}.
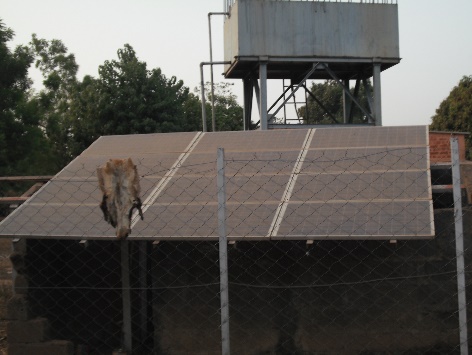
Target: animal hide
{"type": "Point", "coordinates": [118, 180]}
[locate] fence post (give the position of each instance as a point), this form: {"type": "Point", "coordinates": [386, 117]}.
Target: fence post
{"type": "Point", "coordinates": [143, 289]}
{"type": "Point", "coordinates": [462, 303]}
{"type": "Point", "coordinates": [223, 252]}
{"type": "Point", "coordinates": [126, 295]}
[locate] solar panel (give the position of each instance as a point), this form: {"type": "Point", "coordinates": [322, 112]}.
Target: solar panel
{"type": "Point", "coordinates": [329, 183]}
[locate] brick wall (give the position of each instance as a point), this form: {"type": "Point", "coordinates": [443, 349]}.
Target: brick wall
{"type": "Point", "coordinates": [440, 146]}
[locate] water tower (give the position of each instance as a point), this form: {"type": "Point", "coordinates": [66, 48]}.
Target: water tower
{"type": "Point", "coordinates": [301, 40]}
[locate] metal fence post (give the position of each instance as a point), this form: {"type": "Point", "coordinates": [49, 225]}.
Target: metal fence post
{"type": "Point", "coordinates": [143, 288]}
{"type": "Point", "coordinates": [462, 303]}
{"type": "Point", "coordinates": [223, 252]}
{"type": "Point", "coordinates": [126, 295]}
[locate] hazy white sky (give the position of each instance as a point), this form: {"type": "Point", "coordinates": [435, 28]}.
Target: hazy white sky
{"type": "Point", "coordinates": [435, 43]}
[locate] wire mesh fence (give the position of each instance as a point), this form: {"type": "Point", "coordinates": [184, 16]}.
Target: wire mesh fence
{"type": "Point", "coordinates": [328, 252]}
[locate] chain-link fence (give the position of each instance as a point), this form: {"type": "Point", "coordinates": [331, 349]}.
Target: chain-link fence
{"type": "Point", "coordinates": [331, 252]}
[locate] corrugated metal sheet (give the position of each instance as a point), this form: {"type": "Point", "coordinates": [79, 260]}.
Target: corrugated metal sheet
{"type": "Point", "coordinates": [330, 183]}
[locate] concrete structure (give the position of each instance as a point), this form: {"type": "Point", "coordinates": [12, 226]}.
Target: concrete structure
{"type": "Point", "coordinates": [300, 40]}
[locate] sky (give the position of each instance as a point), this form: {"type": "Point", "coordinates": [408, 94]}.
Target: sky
{"type": "Point", "coordinates": [435, 44]}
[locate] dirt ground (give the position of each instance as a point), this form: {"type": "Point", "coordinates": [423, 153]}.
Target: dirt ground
{"type": "Point", "coordinates": [5, 290]}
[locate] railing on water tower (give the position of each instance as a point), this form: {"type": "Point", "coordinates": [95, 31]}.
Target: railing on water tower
{"type": "Point", "coordinates": [228, 3]}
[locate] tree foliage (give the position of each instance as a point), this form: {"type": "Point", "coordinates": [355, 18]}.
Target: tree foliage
{"type": "Point", "coordinates": [128, 98]}
{"type": "Point", "coordinates": [41, 131]}
{"type": "Point", "coordinates": [228, 113]}
{"type": "Point", "coordinates": [330, 94]}
{"type": "Point", "coordinates": [53, 102]}
{"type": "Point", "coordinates": [24, 148]}
{"type": "Point", "coordinates": [133, 99]}
{"type": "Point", "coordinates": [455, 112]}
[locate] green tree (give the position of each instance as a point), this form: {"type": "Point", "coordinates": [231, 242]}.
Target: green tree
{"type": "Point", "coordinates": [330, 94]}
{"type": "Point", "coordinates": [127, 98]}
{"type": "Point", "coordinates": [228, 113]}
{"type": "Point", "coordinates": [455, 112]}
{"type": "Point", "coordinates": [23, 147]}
{"type": "Point", "coordinates": [133, 99]}
{"type": "Point", "coordinates": [192, 114]}
{"type": "Point", "coordinates": [60, 88]}
{"type": "Point", "coordinates": [83, 113]}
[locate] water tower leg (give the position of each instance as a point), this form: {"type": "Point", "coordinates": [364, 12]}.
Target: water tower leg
{"type": "Point", "coordinates": [263, 94]}
{"type": "Point", "coordinates": [248, 86]}
{"type": "Point", "coordinates": [377, 95]}
{"type": "Point", "coordinates": [356, 95]}
{"type": "Point", "coordinates": [258, 94]}
{"type": "Point", "coordinates": [346, 102]}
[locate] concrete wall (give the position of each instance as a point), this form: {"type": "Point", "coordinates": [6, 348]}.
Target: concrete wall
{"type": "Point", "coordinates": [308, 29]}
{"type": "Point", "coordinates": [365, 296]}
{"type": "Point", "coordinates": [401, 310]}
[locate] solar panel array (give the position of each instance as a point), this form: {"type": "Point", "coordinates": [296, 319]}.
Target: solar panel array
{"type": "Point", "coordinates": [329, 183]}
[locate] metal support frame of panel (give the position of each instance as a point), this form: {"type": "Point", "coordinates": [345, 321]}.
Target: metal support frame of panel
{"type": "Point", "coordinates": [459, 233]}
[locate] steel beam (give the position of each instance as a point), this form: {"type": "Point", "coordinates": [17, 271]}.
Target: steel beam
{"type": "Point", "coordinates": [263, 95]}
{"type": "Point", "coordinates": [368, 94]}
{"type": "Point", "coordinates": [346, 102]}
{"type": "Point", "coordinates": [321, 105]}
{"type": "Point", "coordinates": [335, 77]}
{"type": "Point", "coordinates": [308, 74]}
{"type": "Point", "coordinates": [248, 86]}
{"type": "Point", "coordinates": [377, 95]}
{"type": "Point", "coordinates": [356, 95]}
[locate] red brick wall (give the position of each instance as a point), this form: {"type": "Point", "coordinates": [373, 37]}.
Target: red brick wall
{"type": "Point", "coordinates": [440, 146]}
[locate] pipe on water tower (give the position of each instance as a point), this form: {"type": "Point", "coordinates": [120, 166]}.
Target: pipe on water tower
{"type": "Point", "coordinates": [213, 121]}
{"type": "Point", "coordinates": [202, 90]}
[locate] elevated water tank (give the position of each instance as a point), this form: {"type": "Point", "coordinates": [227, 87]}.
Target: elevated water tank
{"type": "Point", "coordinates": [352, 40]}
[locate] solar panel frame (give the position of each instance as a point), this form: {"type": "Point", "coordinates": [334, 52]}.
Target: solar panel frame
{"type": "Point", "coordinates": [270, 175]}
{"type": "Point", "coordinates": [391, 219]}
